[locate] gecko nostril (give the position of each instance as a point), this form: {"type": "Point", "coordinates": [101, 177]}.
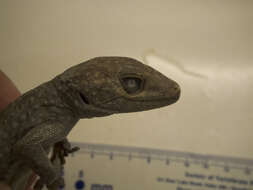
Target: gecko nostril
{"type": "Point", "coordinates": [177, 91]}
{"type": "Point", "coordinates": [176, 88]}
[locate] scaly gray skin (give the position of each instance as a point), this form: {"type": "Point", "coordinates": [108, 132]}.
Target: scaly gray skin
{"type": "Point", "coordinates": [43, 116]}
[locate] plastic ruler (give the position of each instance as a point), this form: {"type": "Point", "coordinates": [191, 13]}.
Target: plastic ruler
{"type": "Point", "coordinates": [110, 167]}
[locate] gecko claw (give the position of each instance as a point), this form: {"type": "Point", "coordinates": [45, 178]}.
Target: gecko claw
{"type": "Point", "coordinates": [74, 149]}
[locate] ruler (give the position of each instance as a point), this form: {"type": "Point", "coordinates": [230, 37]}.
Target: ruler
{"type": "Point", "coordinates": [110, 167]}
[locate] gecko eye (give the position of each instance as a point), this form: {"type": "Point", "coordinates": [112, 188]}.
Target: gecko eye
{"type": "Point", "coordinates": [132, 85]}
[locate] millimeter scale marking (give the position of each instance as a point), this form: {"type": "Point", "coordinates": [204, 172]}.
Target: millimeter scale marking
{"type": "Point", "coordinates": [168, 156]}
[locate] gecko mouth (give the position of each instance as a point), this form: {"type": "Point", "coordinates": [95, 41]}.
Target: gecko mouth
{"type": "Point", "coordinates": [138, 103]}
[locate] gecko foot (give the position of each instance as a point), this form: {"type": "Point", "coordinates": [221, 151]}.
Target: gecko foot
{"type": "Point", "coordinates": [54, 186]}
{"type": "Point", "coordinates": [61, 150]}
{"type": "Point", "coordinates": [38, 185]}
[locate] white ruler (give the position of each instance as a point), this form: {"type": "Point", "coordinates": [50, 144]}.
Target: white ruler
{"type": "Point", "coordinates": [110, 167]}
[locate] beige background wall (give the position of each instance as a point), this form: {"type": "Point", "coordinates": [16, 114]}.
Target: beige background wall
{"type": "Point", "coordinates": [207, 46]}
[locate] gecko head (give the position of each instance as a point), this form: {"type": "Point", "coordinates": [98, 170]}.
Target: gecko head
{"type": "Point", "coordinates": [108, 85]}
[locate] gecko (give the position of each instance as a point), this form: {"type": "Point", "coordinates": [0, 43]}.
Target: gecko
{"type": "Point", "coordinates": [42, 117]}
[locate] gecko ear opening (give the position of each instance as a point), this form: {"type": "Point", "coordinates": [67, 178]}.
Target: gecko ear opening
{"type": "Point", "coordinates": [84, 99]}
